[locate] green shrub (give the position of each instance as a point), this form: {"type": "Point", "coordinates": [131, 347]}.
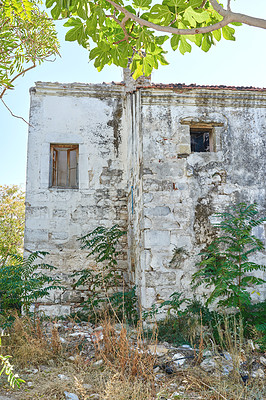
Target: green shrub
{"type": "Point", "coordinates": [102, 244]}
{"type": "Point", "coordinates": [225, 267]}
{"type": "Point", "coordinates": [125, 305]}
{"type": "Point", "coordinates": [22, 282]}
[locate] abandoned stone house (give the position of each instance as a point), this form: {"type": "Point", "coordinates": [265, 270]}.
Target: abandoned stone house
{"type": "Point", "coordinates": [159, 160]}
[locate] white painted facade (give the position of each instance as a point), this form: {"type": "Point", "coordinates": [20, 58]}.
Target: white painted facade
{"type": "Point", "coordinates": [136, 169]}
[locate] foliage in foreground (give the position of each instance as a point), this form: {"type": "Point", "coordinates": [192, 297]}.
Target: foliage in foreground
{"type": "Point", "coordinates": [228, 273]}
{"type": "Point", "coordinates": [7, 369]}
{"type": "Point", "coordinates": [118, 32]}
{"type": "Point", "coordinates": [102, 244]}
{"type": "Point", "coordinates": [22, 282]}
{"type": "Point", "coordinates": [226, 267]}
{"type": "Point", "coordinates": [12, 218]}
{"type": "Point", "coordinates": [27, 38]}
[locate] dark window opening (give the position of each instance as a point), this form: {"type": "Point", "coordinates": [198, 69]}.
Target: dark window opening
{"type": "Point", "coordinates": [64, 166]}
{"type": "Point", "coordinates": [201, 140]}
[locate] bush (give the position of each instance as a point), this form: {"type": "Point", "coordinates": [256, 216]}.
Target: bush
{"type": "Point", "coordinates": [22, 282]}
{"type": "Point", "coordinates": [225, 265]}
{"type": "Point", "coordinates": [102, 244]}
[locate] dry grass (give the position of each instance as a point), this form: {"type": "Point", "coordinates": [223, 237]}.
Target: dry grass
{"type": "Point", "coordinates": [127, 372]}
{"type": "Point", "coordinates": [29, 345]}
{"type": "Point", "coordinates": [119, 353]}
{"type": "Point", "coordinates": [121, 388]}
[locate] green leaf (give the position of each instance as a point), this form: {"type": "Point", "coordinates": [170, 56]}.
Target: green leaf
{"type": "Point", "coordinates": [76, 33]}
{"type": "Point", "coordinates": [160, 14]}
{"type": "Point", "coordinates": [56, 11]}
{"type": "Point", "coordinates": [184, 47]}
{"type": "Point", "coordinates": [217, 35]}
{"type": "Point", "coordinates": [193, 17]}
{"type": "Point", "coordinates": [206, 43]}
{"type": "Point", "coordinates": [161, 39]}
{"type": "Point", "coordinates": [138, 71]}
{"type": "Point", "coordinates": [82, 11]}
{"type": "Point", "coordinates": [143, 4]}
{"type": "Point", "coordinates": [175, 39]}
{"type": "Point", "coordinates": [228, 33]}
{"type": "Point", "coordinates": [120, 54]}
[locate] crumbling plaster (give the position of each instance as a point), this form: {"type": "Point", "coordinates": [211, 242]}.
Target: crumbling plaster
{"type": "Point", "coordinates": [136, 169]}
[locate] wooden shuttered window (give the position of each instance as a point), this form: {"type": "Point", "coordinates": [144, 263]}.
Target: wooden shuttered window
{"type": "Point", "coordinates": [64, 166]}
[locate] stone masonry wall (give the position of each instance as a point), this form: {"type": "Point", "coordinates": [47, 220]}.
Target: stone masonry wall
{"type": "Point", "coordinates": [182, 191]}
{"type": "Point", "coordinates": [136, 169]}
{"type": "Point", "coordinates": [91, 116]}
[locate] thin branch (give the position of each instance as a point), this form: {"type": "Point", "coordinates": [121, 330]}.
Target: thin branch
{"type": "Point", "coordinates": [229, 5]}
{"type": "Point", "coordinates": [12, 80]}
{"type": "Point", "coordinates": [13, 115]}
{"type": "Point", "coordinates": [228, 17]}
{"type": "Point", "coordinates": [170, 29]}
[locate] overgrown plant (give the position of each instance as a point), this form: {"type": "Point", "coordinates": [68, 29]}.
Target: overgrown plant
{"type": "Point", "coordinates": [124, 304]}
{"type": "Point", "coordinates": [22, 282]}
{"type": "Point", "coordinates": [12, 218]}
{"type": "Point", "coordinates": [225, 266]}
{"type": "Point", "coordinates": [7, 369]}
{"type": "Point", "coordinates": [102, 244]}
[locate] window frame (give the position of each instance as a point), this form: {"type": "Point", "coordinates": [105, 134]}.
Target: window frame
{"type": "Point", "coordinates": [203, 128]}
{"type": "Point", "coordinates": [53, 170]}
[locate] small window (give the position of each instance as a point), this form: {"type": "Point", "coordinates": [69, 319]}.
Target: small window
{"type": "Point", "coordinates": [64, 165]}
{"type": "Point", "coordinates": [201, 140]}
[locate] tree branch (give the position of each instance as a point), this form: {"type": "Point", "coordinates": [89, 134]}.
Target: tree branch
{"type": "Point", "coordinates": [13, 115]}
{"type": "Point", "coordinates": [169, 29]}
{"type": "Point", "coordinates": [228, 17]}
{"type": "Point", "coordinates": [15, 77]}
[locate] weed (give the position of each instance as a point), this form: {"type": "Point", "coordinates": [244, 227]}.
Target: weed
{"type": "Point", "coordinates": [123, 357]}
{"type": "Point", "coordinates": [225, 264]}
{"type": "Point", "coordinates": [125, 305]}
{"type": "Point", "coordinates": [102, 244]}
{"type": "Point", "coordinates": [29, 345]}
{"type": "Point", "coordinates": [22, 282]}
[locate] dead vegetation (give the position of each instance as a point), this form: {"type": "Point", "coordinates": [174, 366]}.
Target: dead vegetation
{"type": "Point", "coordinates": [126, 370]}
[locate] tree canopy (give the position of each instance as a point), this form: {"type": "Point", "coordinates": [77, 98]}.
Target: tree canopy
{"type": "Point", "coordinates": [27, 38]}
{"type": "Point", "coordinates": [114, 32]}
{"type": "Point", "coordinates": [12, 217]}
{"type": "Point", "coordinates": [121, 30]}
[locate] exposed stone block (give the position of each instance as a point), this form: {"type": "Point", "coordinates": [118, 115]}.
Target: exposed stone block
{"type": "Point", "coordinates": [154, 279]}
{"type": "Point", "coordinates": [157, 211]}
{"type": "Point", "coordinates": [156, 238]}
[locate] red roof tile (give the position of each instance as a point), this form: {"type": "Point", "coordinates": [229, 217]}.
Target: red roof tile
{"type": "Point", "coordinates": [181, 86]}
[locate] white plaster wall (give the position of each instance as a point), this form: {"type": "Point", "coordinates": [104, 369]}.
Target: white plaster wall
{"type": "Point", "coordinates": [182, 191]}
{"type": "Point", "coordinates": [136, 169]}
{"type": "Point", "coordinates": [55, 218]}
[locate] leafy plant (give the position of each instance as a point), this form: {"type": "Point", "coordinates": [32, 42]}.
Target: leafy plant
{"type": "Point", "coordinates": [225, 264]}
{"type": "Point", "coordinates": [28, 38]}
{"type": "Point", "coordinates": [125, 305]}
{"type": "Point", "coordinates": [102, 244]}
{"type": "Point", "coordinates": [12, 217]}
{"type": "Point", "coordinates": [254, 322]}
{"type": "Point", "coordinates": [7, 369]}
{"type": "Point", "coordinates": [115, 32]}
{"type": "Point", "coordinates": [174, 304]}
{"type": "Point", "coordinates": [22, 282]}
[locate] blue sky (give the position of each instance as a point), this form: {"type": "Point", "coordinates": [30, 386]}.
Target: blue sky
{"type": "Point", "coordinates": [240, 63]}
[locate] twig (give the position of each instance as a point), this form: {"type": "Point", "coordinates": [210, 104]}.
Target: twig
{"type": "Point", "coordinates": [12, 80]}
{"type": "Point", "coordinates": [229, 5]}
{"type": "Point", "coordinates": [228, 18]}
{"type": "Point", "coordinates": [209, 387]}
{"type": "Point", "coordinates": [13, 115]}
